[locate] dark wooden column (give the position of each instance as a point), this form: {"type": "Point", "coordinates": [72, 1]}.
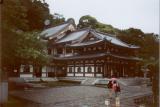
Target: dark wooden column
{"type": "Point", "coordinates": [126, 70]}
{"type": "Point", "coordinates": [116, 69]}
{"type": "Point", "coordinates": [102, 70]}
{"type": "Point", "coordinates": [74, 68]}
{"type": "Point", "coordinates": [111, 69]}
{"type": "Point", "coordinates": [108, 69]}
{"type": "Point", "coordinates": [121, 70]}
{"type": "Point", "coordinates": [83, 69]}
{"type": "Point", "coordinates": [55, 70]}
{"type": "Point", "coordinates": [104, 73]}
{"type": "Point", "coordinates": [94, 69]}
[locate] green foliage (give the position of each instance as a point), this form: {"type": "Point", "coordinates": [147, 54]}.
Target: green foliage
{"type": "Point", "coordinates": [37, 13]}
{"type": "Point", "coordinates": [31, 49]}
{"type": "Point", "coordinates": [148, 43]}
{"type": "Point", "coordinates": [87, 21]}
{"type": "Point", "coordinates": [91, 22]}
{"type": "Point", "coordinates": [14, 15]}
{"type": "Point", "coordinates": [57, 19]}
{"type": "Point", "coordinates": [20, 43]}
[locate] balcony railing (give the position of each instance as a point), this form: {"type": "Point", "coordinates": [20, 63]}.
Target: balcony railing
{"type": "Point", "coordinates": [66, 55]}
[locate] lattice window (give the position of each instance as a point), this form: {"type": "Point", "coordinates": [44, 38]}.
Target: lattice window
{"type": "Point", "coordinates": [99, 70]}
{"type": "Point", "coordinates": [79, 69]}
{"type": "Point", "coordinates": [89, 70]}
{"type": "Point", "coordinates": [70, 70]}
{"type": "Point", "coordinates": [26, 68]}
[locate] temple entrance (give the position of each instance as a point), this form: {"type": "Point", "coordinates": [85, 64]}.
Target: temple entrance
{"type": "Point", "coordinates": [51, 71]}
{"type": "Point", "coordinates": [37, 71]}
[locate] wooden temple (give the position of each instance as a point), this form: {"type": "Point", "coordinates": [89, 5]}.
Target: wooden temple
{"type": "Point", "coordinates": [88, 53]}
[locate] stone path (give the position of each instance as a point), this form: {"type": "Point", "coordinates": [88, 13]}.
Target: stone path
{"type": "Point", "coordinates": [78, 96]}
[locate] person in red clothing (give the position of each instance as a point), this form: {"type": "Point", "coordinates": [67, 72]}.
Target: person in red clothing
{"type": "Point", "coordinates": [113, 78]}
{"type": "Point", "coordinates": [115, 88]}
{"type": "Point", "coordinates": [109, 86]}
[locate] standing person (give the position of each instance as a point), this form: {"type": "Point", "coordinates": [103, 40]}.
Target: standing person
{"type": "Point", "coordinates": [109, 86]}
{"type": "Point", "coordinates": [113, 78]}
{"type": "Point", "coordinates": [115, 88]}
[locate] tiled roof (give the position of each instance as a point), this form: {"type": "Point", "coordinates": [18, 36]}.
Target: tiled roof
{"type": "Point", "coordinates": [73, 36]}
{"type": "Point", "coordinates": [79, 35]}
{"type": "Point", "coordinates": [76, 35]}
{"type": "Point", "coordinates": [85, 43]}
{"type": "Point", "coordinates": [115, 40]}
{"type": "Point", "coordinates": [54, 30]}
{"type": "Point", "coordinates": [98, 55]}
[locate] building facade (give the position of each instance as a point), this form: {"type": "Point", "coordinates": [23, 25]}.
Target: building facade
{"type": "Point", "coordinates": [88, 53]}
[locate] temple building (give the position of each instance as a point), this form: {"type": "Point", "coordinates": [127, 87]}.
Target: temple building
{"type": "Point", "coordinates": [88, 53]}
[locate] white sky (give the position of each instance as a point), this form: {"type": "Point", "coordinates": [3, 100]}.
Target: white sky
{"type": "Point", "coordinates": [122, 14]}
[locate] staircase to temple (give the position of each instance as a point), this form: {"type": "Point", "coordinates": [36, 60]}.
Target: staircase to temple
{"type": "Point", "coordinates": [88, 81]}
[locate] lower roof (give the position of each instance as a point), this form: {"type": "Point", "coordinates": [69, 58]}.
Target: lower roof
{"type": "Point", "coordinates": [99, 55]}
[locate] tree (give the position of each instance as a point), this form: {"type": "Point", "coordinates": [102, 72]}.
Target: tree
{"type": "Point", "coordinates": [31, 49]}
{"type": "Point", "coordinates": [91, 22]}
{"type": "Point", "coordinates": [57, 19]}
{"type": "Point", "coordinates": [37, 13]}
{"type": "Point", "coordinates": [11, 10]}
{"type": "Point", "coordinates": [87, 21]}
{"type": "Point", "coordinates": [148, 43]}
{"type": "Point", "coordinates": [19, 40]}
{"type": "Point", "coordinates": [131, 36]}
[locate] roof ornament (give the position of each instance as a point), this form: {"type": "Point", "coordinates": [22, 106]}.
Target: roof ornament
{"type": "Point", "coordinates": [71, 20]}
{"type": "Point", "coordinates": [47, 22]}
{"type": "Point", "coordinates": [110, 40]}
{"type": "Point", "coordinates": [129, 45]}
{"type": "Point", "coordinates": [103, 38]}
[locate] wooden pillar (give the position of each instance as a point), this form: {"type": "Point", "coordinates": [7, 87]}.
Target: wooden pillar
{"type": "Point", "coordinates": [83, 69]}
{"type": "Point", "coordinates": [117, 70]}
{"type": "Point", "coordinates": [107, 68]}
{"type": "Point", "coordinates": [74, 68]}
{"type": "Point", "coordinates": [103, 65]}
{"type": "Point", "coordinates": [54, 51]}
{"type": "Point", "coordinates": [111, 68]}
{"type": "Point", "coordinates": [105, 74]}
{"type": "Point", "coordinates": [94, 69]}
{"type": "Point", "coordinates": [126, 71]}
{"type": "Point", "coordinates": [72, 51]}
{"type": "Point", "coordinates": [121, 70]}
{"type": "Point", "coordinates": [55, 71]}
{"type": "Point", "coordinates": [64, 51]}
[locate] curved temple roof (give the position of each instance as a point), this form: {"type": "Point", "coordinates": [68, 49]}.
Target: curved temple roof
{"type": "Point", "coordinates": [115, 40]}
{"type": "Point", "coordinates": [79, 35]}
{"type": "Point", "coordinates": [100, 36]}
{"type": "Point", "coordinates": [54, 30]}
{"type": "Point", "coordinates": [86, 43]}
{"type": "Point", "coordinates": [96, 56]}
{"type": "Point", "coordinates": [73, 36]}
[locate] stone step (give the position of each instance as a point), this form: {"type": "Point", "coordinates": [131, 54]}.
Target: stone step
{"type": "Point", "coordinates": [89, 81]}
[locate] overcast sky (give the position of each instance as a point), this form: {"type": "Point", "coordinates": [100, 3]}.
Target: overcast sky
{"type": "Point", "coordinates": [122, 14]}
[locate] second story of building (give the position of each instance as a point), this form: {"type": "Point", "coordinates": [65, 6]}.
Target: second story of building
{"type": "Point", "coordinates": [66, 41]}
